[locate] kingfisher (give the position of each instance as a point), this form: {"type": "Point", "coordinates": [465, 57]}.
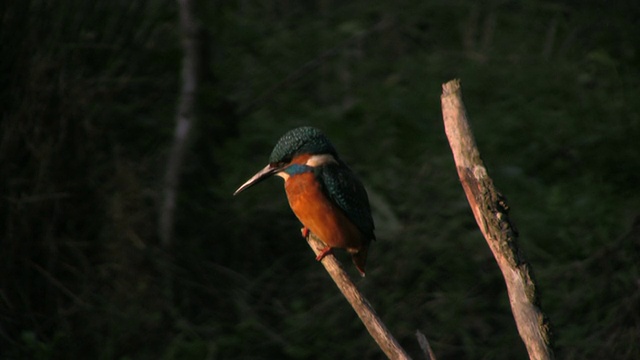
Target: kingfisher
{"type": "Point", "coordinates": [323, 192]}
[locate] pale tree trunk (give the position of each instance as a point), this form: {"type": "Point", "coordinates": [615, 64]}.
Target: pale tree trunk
{"type": "Point", "coordinates": [185, 118]}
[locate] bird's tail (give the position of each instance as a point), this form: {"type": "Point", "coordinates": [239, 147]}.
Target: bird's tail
{"type": "Point", "coordinates": [360, 259]}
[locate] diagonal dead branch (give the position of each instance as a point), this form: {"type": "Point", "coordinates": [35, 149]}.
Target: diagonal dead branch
{"type": "Point", "coordinates": [360, 304]}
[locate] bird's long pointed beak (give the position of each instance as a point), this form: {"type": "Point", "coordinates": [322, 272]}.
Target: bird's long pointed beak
{"type": "Point", "coordinates": [258, 177]}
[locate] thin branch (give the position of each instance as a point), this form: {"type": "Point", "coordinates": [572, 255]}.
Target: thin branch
{"type": "Point", "coordinates": [491, 213]}
{"type": "Point", "coordinates": [59, 285]}
{"type": "Point", "coordinates": [424, 345]}
{"type": "Point", "coordinates": [360, 304]}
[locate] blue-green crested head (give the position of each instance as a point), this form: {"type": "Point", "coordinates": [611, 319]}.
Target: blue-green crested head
{"type": "Point", "coordinates": [302, 140]}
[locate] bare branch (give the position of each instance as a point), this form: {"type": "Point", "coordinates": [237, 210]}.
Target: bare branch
{"type": "Point", "coordinates": [491, 213]}
{"type": "Point", "coordinates": [424, 345]}
{"type": "Point", "coordinates": [362, 307]}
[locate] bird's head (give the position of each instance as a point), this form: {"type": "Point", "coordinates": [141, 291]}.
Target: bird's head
{"type": "Point", "coordinates": [304, 145]}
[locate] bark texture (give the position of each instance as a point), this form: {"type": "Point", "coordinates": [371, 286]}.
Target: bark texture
{"type": "Point", "coordinates": [492, 215]}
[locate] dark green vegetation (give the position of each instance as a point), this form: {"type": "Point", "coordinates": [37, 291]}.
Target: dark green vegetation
{"type": "Point", "coordinates": [88, 94]}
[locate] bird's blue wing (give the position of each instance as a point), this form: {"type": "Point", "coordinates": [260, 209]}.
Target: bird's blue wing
{"type": "Point", "coordinates": [346, 191]}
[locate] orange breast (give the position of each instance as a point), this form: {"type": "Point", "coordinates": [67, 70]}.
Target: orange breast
{"type": "Point", "coordinates": [320, 215]}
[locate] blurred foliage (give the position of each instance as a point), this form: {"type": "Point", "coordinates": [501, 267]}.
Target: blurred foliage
{"type": "Point", "coordinates": [88, 100]}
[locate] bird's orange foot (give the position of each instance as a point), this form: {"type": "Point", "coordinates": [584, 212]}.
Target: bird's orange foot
{"type": "Point", "coordinates": [305, 232]}
{"type": "Point", "coordinates": [324, 252]}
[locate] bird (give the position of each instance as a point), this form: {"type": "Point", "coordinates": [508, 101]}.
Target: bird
{"type": "Point", "coordinates": [323, 192]}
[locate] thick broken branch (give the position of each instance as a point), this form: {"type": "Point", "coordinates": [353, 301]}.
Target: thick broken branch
{"type": "Point", "coordinates": [491, 213]}
{"type": "Point", "coordinates": [367, 314]}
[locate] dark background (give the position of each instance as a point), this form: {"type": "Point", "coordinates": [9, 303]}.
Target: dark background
{"type": "Point", "coordinates": [88, 97]}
